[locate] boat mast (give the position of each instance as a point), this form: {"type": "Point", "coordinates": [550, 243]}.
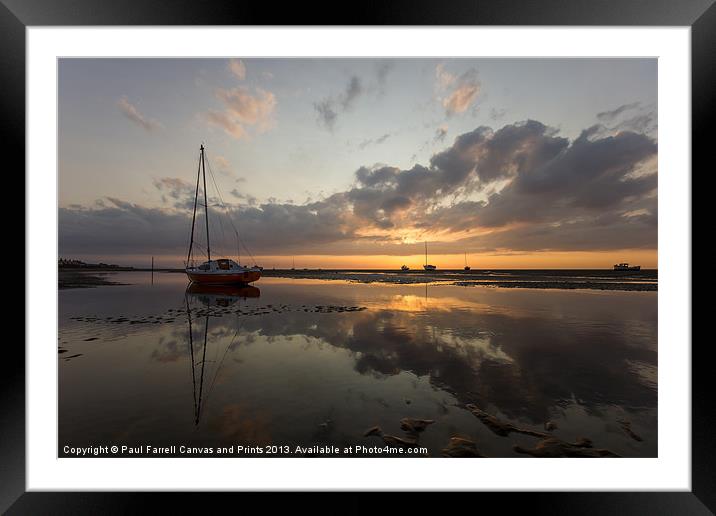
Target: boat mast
{"type": "Point", "coordinates": [193, 217]}
{"type": "Point", "coordinates": [426, 253]}
{"type": "Point", "coordinates": [206, 204]}
{"type": "Point", "coordinates": [191, 350]}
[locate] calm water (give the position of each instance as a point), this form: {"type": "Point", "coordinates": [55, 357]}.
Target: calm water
{"type": "Point", "coordinates": [306, 362]}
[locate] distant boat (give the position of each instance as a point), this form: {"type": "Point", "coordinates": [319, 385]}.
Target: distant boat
{"type": "Point", "coordinates": [467, 267]}
{"type": "Point", "coordinates": [222, 271]}
{"type": "Point", "coordinates": [404, 268]}
{"type": "Point", "coordinates": [626, 267]}
{"type": "Point", "coordinates": [427, 266]}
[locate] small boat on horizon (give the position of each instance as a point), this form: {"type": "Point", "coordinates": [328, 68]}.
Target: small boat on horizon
{"type": "Point", "coordinates": [467, 267]}
{"type": "Point", "coordinates": [626, 267]}
{"type": "Point", "coordinates": [404, 268]}
{"type": "Point", "coordinates": [427, 266]}
{"type": "Point", "coordinates": [222, 271]}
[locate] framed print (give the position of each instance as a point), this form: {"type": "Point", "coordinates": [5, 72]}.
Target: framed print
{"type": "Point", "coordinates": [442, 249]}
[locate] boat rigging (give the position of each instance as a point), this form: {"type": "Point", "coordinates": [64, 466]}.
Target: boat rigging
{"type": "Point", "coordinates": [427, 266]}
{"type": "Point", "coordinates": [221, 271]}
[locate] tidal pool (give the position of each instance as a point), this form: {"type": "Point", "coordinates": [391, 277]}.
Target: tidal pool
{"type": "Point", "coordinates": [313, 363]}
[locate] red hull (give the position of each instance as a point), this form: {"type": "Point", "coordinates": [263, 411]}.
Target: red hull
{"type": "Point", "coordinates": [224, 279]}
{"type": "Point", "coordinates": [236, 290]}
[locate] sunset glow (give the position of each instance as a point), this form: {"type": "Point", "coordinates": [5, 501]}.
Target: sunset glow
{"type": "Point", "coordinates": [355, 163]}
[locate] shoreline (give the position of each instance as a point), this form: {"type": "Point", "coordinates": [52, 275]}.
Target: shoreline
{"type": "Point", "coordinates": [539, 280]}
{"type": "Point", "coordinates": [558, 279]}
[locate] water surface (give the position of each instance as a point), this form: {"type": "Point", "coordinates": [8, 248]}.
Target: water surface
{"type": "Point", "coordinates": [307, 361]}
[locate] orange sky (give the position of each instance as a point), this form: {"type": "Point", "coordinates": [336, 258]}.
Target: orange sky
{"type": "Point", "coordinates": [544, 260]}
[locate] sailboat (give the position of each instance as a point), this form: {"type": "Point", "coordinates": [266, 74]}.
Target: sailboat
{"type": "Point", "coordinates": [467, 267]}
{"type": "Point", "coordinates": [404, 268]}
{"type": "Point", "coordinates": [427, 266]}
{"type": "Point", "coordinates": [222, 271]}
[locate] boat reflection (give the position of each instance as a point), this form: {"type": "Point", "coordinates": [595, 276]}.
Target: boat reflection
{"type": "Point", "coordinates": [202, 298]}
{"type": "Point", "coordinates": [220, 295]}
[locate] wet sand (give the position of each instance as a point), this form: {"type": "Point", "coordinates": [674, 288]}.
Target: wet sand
{"type": "Point", "coordinates": [73, 278]}
{"type": "Point", "coordinates": [641, 281]}
{"type": "Point", "coordinates": [604, 279]}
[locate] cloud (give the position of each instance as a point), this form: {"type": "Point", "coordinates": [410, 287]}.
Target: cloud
{"type": "Point", "coordinates": [608, 116]}
{"type": "Point", "coordinates": [326, 112]}
{"type": "Point", "coordinates": [440, 134]}
{"type": "Point", "coordinates": [459, 92]}
{"type": "Point", "coordinates": [438, 138]}
{"type": "Point", "coordinates": [178, 192]}
{"type": "Point", "coordinates": [243, 110]}
{"type": "Point", "coordinates": [125, 228]}
{"type": "Point", "coordinates": [520, 187]}
{"type": "Point", "coordinates": [353, 91]}
{"type": "Point", "coordinates": [238, 68]}
{"type": "Point", "coordinates": [497, 114]}
{"type": "Point", "coordinates": [327, 109]}
{"type": "Point", "coordinates": [374, 141]}
{"type": "Point", "coordinates": [247, 199]}
{"type": "Point", "coordinates": [643, 122]}
{"type": "Point", "coordinates": [444, 78]}
{"type": "Point", "coordinates": [132, 113]}
{"type": "Point", "coordinates": [222, 165]}
{"type": "Point", "coordinates": [462, 97]}
{"type": "Point", "coordinates": [382, 70]}
{"type": "Point", "coordinates": [633, 117]}
{"type": "Point", "coordinates": [249, 109]}
{"type": "Point", "coordinates": [225, 121]}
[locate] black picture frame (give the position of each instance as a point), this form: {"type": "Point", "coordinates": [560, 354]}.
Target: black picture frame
{"type": "Point", "coordinates": [17, 15]}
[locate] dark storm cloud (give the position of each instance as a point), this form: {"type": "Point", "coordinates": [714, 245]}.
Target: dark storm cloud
{"type": "Point", "coordinates": [126, 228]}
{"type": "Point", "coordinates": [120, 227]}
{"type": "Point", "coordinates": [521, 187]}
{"type": "Point", "coordinates": [588, 177]}
{"type": "Point", "coordinates": [510, 151]}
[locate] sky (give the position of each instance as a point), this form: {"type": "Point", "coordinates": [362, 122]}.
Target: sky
{"type": "Point", "coordinates": [336, 163]}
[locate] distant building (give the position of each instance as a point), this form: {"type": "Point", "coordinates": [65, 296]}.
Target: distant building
{"type": "Point", "coordinates": [65, 263]}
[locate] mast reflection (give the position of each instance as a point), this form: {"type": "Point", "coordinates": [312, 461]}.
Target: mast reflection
{"type": "Point", "coordinates": [201, 298]}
